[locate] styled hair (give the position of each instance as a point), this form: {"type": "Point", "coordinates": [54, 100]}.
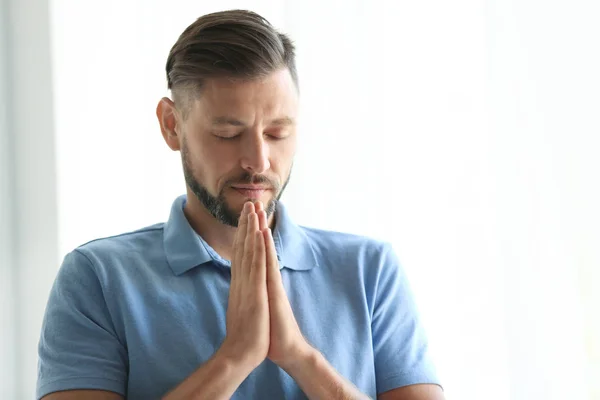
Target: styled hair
{"type": "Point", "coordinates": [235, 44]}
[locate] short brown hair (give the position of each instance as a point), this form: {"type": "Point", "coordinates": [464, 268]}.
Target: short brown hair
{"type": "Point", "coordinates": [235, 43]}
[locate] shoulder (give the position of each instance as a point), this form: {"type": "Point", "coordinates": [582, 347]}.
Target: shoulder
{"type": "Point", "coordinates": [147, 237]}
{"type": "Point", "coordinates": [342, 241]}
{"type": "Point", "coordinates": [104, 256]}
{"type": "Point", "coordinates": [365, 267]}
{"type": "Point", "coordinates": [362, 251]}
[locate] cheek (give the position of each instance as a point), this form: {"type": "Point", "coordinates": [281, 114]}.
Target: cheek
{"type": "Point", "coordinates": [288, 152]}
{"type": "Point", "coordinates": [209, 162]}
{"type": "Point", "coordinates": [214, 153]}
{"type": "Point", "coordinates": [282, 158]}
{"type": "Point", "coordinates": [220, 162]}
{"type": "Point", "coordinates": [281, 152]}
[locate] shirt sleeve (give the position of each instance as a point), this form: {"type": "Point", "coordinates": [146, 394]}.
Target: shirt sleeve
{"type": "Point", "coordinates": [399, 341]}
{"type": "Point", "coordinates": [78, 347]}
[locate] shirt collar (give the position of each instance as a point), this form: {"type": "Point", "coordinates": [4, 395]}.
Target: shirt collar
{"type": "Point", "coordinates": [185, 249]}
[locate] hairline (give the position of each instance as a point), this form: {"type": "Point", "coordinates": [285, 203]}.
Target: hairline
{"type": "Point", "coordinates": [185, 94]}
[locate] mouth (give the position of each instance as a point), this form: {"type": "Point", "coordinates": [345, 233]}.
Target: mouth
{"type": "Point", "coordinates": [251, 191]}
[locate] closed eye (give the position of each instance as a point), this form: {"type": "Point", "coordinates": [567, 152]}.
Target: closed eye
{"type": "Point", "coordinates": [227, 138]}
{"type": "Point", "coordinates": [275, 137]}
{"type": "Point", "coordinates": [277, 134]}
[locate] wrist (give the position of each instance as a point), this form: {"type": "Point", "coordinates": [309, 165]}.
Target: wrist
{"type": "Point", "coordinates": [305, 357]}
{"type": "Point", "coordinates": [232, 359]}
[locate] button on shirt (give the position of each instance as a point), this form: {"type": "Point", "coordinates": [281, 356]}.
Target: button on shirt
{"type": "Point", "coordinates": [138, 313]}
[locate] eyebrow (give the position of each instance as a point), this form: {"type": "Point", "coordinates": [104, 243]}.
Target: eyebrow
{"type": "Point", "coordinates": [227, 121]}
{"type": "Point", "coordinates": [220, 121]}
{"type": "Point", "coordinates": [285, 121]}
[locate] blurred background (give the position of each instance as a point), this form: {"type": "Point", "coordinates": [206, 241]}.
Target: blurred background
{"type": "Point", "coordinates": [465, 132]}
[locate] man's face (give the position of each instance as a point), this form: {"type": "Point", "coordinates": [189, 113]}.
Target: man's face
{"type": "Point", "coordinates": [238, 143]}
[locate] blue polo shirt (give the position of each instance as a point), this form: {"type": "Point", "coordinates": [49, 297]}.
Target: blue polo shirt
{"type": "Point", "coordinates": [139, 312]}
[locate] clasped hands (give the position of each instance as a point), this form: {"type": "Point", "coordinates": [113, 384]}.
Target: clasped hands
{"type": "Point", "coordinates": [260, 321]}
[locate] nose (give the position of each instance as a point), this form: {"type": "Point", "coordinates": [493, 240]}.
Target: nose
{"type": "Point", "coordinates": [255, 157]}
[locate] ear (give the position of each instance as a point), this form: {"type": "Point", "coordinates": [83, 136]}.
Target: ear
{"type": "Point", "coordinates": [168, 118]}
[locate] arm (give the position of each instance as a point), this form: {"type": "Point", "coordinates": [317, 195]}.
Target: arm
{"type": "Point", "coordinates": [319, 380]}
{"type": "Point", "coordinates": [78, 347]}
{"type": "Point", "coordinates": [83, 394]}
{"type": "Point", "coordinates": [218, 378]}
{"type": "Point", "coordinates": [414, 392]}
{"type": "Point", "coordinates": [403, 368]}
{"type": "Point", "coordinates": [398, 342]}
{"type": "Point", "coordinates": [79, 350]}
{"type": "Point", "coordinates": [288, 348]}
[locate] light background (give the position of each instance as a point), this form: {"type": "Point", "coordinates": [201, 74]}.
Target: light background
{"type": "Point", "coordinates": [464, 132]}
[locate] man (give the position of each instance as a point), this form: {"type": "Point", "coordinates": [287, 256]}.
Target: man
{"type": "Point", "coordinates": [229, 298]}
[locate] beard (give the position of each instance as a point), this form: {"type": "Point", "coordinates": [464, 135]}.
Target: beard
{"type": "Point", "coordinates": [217, 205]}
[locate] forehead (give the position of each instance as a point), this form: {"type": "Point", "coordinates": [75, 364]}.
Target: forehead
{"type": "Point", "coordinates": [269, 97]}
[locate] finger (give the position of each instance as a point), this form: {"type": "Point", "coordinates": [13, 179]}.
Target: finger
{"type": "Point", "coordinates": [240, 236]}
{"type": "Point", "coordinates": [250, 239]}
{"type": "Point", "coordinates": [273, 273]}
{"type": "Point", "coordinates": [262, 220]}
{"type": "Point", "coordinates": [259, 206]}
{"type": "Point", "coordinates": [243, 214]}
{"type": "Point", "coordinates": [259, 268]}
{"type": "Point", "coordinates": [260, 209]}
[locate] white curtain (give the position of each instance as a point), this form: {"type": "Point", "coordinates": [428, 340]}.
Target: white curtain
{"type": "Point", "coordinates": [28, 190]}
{"type": "Point", "coordinates": [464, 132]}
{"type": "Point", "coordinates": [7, 294]}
